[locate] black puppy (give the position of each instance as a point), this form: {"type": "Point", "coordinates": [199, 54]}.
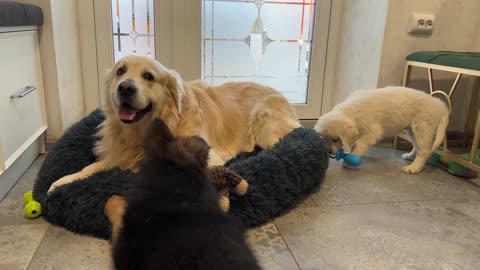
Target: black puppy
{"type": "Point", "coordinates": [170, 218]}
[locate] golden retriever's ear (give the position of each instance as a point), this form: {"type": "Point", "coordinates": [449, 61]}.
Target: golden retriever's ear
{"type": "Point", "coordinates": [349, 136]}
{"type": "Point", "coordinates": [109, 75]}
{"type": "Point", "coordinates": [175, 84]}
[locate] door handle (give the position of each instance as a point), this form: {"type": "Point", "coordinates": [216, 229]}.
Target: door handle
{"type": "Point", "coordinates": [24, 91]}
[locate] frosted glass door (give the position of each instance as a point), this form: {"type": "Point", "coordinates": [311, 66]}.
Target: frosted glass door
{"type": "Point", "coordinates": [266, 41]}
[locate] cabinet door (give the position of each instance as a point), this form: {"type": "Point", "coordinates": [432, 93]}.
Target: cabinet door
{"type": "Point", "coordinates": [22, 113]}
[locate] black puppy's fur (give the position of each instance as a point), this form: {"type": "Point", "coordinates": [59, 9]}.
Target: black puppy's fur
{"type": "Point", "coordinates": [172, 218]}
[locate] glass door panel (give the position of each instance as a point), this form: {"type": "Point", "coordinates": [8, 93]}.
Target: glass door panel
{"type": "Point", "coordinates": [133, 28]}
{"type": "Point", "coordinates": [266, 41]}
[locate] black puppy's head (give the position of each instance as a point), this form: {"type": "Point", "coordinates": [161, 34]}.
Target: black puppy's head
{"type": "Point", "coordinates": [160, 144]}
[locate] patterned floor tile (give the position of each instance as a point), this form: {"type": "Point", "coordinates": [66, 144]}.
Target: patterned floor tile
{"type": "Point", "coordinates": [18, 244]}
{"type": "Point", "coordinates": [413, 235]}
{"type": "Point", "coordinates": [268, 246]}
{"type": "Point", "coordinates": [64, 250]}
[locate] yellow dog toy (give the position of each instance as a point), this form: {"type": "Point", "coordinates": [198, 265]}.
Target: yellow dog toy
{"type": "Point", "coordinates": [33, 209]}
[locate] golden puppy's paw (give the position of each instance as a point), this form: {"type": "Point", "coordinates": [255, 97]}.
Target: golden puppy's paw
{"type": "Point", "coordinates": [348, 166]}
{"type": "Point", "coordinates": [411, 169]}
{"type": "Point", "coordinates": [408, 156]}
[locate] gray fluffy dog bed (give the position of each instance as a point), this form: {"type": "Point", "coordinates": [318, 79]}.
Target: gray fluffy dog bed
{"type": "Point", "coordinates": [279, 178]}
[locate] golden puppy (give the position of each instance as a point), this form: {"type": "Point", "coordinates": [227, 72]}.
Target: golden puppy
{"type": "Point", "coordinates": [231, 118]}
{"type": "Point", "coordinates": [366, 116]}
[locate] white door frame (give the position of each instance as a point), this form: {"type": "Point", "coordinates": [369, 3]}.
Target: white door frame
{"type": "Point", "coordinates": [312, 109]}
{"type": "Point", "coordinates": [176, 35]}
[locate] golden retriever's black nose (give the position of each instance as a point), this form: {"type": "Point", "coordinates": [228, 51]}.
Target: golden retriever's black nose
{"type": "Point", "coordinates": [127, 89]}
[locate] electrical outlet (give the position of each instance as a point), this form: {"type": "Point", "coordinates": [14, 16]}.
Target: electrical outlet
{"type": "Point", "coordinates": [421, 23]}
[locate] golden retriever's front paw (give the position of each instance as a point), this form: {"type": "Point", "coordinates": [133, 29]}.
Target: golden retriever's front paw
{"type": "Point", "coordinates": [411, 169]}
{"type": "Point", "coordinates": [62, 181]}
{"type": "Point", "coordinates": [53, 187]}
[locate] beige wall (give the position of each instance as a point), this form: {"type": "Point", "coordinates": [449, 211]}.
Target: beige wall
{"type": "Point", "coordinates": [61, 65]}
{"type": "Point", "coordinates": [360, 46]}
{"type": "Point", "coordinates": [477, 41]}
{"type": "Point", "coordinates": [69, 69]}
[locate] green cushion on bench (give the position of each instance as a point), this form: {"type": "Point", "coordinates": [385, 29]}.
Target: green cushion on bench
{"type": "Point", "coordinates": [467, 60]}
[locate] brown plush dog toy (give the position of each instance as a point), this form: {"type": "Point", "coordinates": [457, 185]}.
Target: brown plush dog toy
{"type": "Point", "coordinates": [222, 179]}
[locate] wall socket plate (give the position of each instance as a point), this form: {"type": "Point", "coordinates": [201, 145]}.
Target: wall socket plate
{"type": "Point", "coordinates": [421, 23]}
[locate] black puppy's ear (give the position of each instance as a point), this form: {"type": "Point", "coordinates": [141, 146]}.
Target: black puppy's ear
{"type": "Point", "coordinates": [190, 149]}
{"type": "Point", "coordinates": [157, 137]}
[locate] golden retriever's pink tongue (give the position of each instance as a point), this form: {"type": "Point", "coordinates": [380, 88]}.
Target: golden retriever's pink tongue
{"type": "Point", "coordinates": [127, 113]}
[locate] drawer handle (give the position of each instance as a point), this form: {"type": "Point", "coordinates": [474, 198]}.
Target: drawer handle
{"type": "Point", "coordinates": [24, 91]}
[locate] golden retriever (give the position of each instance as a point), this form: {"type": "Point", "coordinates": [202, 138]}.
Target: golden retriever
{"type": "Point", "coordinates": [231, 118]}
{"type": "Point", "coordinates": [366, 116]}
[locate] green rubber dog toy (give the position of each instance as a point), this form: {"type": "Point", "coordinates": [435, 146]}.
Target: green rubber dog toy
{"type": "Point", "coordinates": [33, 209]}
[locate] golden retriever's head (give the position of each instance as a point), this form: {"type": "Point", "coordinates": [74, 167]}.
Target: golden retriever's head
{"type": "Point", "coordinates": [338, 131]}
{"type": "Point", "coordinates": [139, 89]}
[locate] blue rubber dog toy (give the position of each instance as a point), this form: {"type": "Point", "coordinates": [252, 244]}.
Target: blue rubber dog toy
{"type": "Point", "coordinates": [351, 159]}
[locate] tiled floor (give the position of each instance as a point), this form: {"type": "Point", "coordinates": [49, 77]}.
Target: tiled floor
{"type": "Point", "coordinates": [372, 218]}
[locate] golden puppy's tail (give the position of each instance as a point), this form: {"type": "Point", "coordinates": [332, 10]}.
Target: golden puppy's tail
{"type": "Point", "coordinates": [441, 130]}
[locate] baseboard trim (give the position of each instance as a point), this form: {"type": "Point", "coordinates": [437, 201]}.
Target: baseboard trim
{"type": "Point", "coordinates": [308, 123]}
{"type": "Point", "coordinates": [49, 144]}
{"type": "Point", "coordinates": [11, 175]}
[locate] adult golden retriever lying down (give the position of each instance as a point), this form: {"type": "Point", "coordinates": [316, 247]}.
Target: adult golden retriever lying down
{"type": "Point", "coordinates": [232, 118]}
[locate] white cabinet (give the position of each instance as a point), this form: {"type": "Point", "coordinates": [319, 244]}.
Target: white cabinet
{"type": "Point", "coordinates": [22, 103]}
